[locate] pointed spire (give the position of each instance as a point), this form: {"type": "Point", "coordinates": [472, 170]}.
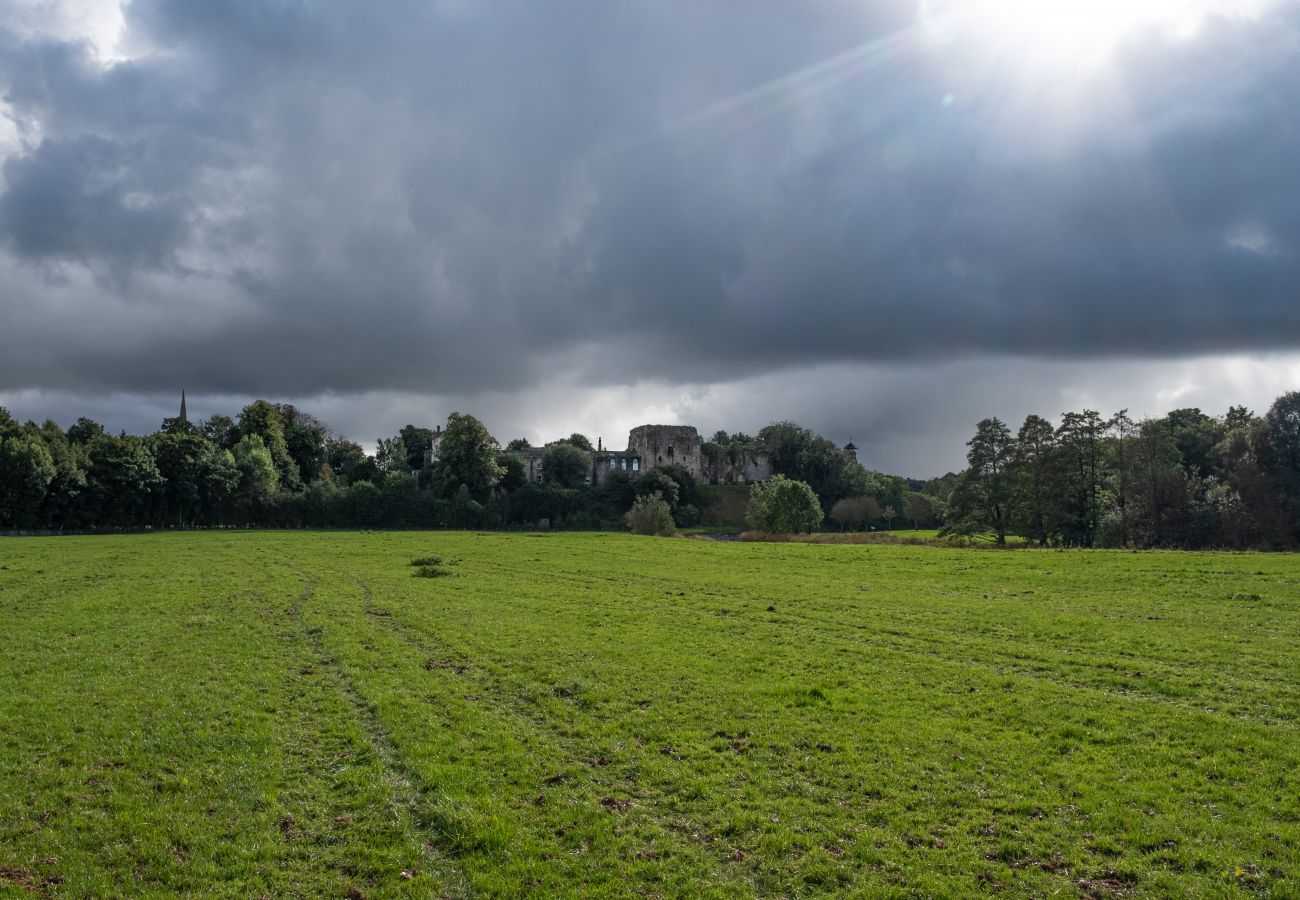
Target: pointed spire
{"type": "Point", "coordinates": [182, 416]}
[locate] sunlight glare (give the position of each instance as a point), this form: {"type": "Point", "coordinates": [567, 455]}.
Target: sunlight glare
{"type": "Point", "coordinates": [1046, 33]}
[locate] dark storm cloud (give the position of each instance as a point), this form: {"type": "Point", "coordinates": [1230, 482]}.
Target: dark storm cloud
{"type": "Point", "coordinates": [290, 199]}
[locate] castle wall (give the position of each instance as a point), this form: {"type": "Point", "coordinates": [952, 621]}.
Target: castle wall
{"type": "Point", "coordinates": [753, 464]}
{"type": "Point", "coordinates": [668, 445]}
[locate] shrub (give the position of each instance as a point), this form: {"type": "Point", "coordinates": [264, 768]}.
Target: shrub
{"type": "Point", "coordinates": [431, 572]}
{"type": "Point", "coordinates": [650, 515]}
{"type": "Point", "coordinates": [784, 506]}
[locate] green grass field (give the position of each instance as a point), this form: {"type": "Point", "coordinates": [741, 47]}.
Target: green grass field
{"type": "Point", "coordinates": [584, 715]}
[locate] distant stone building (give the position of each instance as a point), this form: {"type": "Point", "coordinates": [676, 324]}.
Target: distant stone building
{"type": "Point", "coordinates": [651, 446]}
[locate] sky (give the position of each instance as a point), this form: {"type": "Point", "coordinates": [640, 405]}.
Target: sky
{"type": "Point", "coordinates": [883, 220]}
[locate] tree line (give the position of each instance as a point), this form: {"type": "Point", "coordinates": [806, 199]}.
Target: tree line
{"type": "Point", "coordinates": [274, 465]}
{"type": "Point", "coordinates": [1186, 479]}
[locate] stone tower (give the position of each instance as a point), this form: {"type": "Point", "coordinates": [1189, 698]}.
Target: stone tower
{"type": "Point", "coordinates": [667, 445]}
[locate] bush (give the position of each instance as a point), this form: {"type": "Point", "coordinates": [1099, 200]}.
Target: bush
{"type": "Point", "coordinates": [784, 506]}
{"type": "Point", "coordinates": [650, 515]}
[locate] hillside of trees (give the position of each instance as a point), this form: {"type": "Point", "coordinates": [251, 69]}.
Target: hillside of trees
{"type": "Point", "coordinates": [1184, 480]}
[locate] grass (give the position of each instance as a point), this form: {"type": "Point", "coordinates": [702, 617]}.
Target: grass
{"type": "Point", "coordinates": [295, 714]}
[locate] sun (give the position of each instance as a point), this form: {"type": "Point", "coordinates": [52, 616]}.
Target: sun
{"type": "Point", "coordinates": [1069, 34]}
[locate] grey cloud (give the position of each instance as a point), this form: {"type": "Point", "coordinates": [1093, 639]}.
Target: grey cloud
{"type": "Point", "coordinates": [453, 198]}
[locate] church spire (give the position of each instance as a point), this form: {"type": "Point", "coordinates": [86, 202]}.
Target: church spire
{"type": "Point", "coordinates": [182, 417]}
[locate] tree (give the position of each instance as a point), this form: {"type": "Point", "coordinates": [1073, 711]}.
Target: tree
{"type": "Point", "coordinates": [784, 506]}
{"type": "Point", "coordinates": [566, 465]}
{"type": "Point", "coordinates": [416, 440]}
{"type": "Point", "coordinates": [1123, 429]}
{"type": "Point", "coordinates": [120, 479]}
{"type": "Point", "coordinates": [391, 456]}
{"type": "Point", "coordinates": [304, 437]}
{"type": "Point", "coordinates": [64, 494]}
{"type": "Point", "coordinates": [349, 460]}
{"type": "Point", "coordinates": [221, 431]}
{"type": "Point", "coordinates": [1034, 477]}
{"type": "Point", "coordinates": [650, 515]}
{"type": "Point", "coordinates": [258, 474]}
{"type": "Point", "coordinates": [1160, 483]}
{"type": "Point", "coordinates": [1080, 441]}
{"type": "Point", "coordinates": [262, 419]}
{"type": "Point", "coordinates": [888, 514]}
{"type": "Point", "coordinates": [514, 471]}
{"type": "Point", "coordinates": [917, 509]}
{"type": "Point", "coordinates": [26, 470]}
{"type": "Point", "coordinates": [181, 457]}
{"type": "Point", "coordinates": [1279, 450]}
{"type": "Point", "coordinates": [468, 456]}
{"type": "Point", "coordinates": [518, 445]}
{"type": "Point", "coordinates": [1196, 435]}
{"type": "Point", "coordinates": [659, 481]}
{"type": "Point", "coordinates": [798, 453]}
{"type": "Point", "coordinates": [580, 441]}
{"type": "Point", "coordinates": [84, 431]}
{"type": "Point", "coordinates": [220, 480]}
{"type": "Point", "coordinates": [983, 493]}
{"type": "Point", "coordinates": [854, 513]}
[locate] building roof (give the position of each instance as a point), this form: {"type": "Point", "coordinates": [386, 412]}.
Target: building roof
{"type": "Point", "coordinates": [850, 446]}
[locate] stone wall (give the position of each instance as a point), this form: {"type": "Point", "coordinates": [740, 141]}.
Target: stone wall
{"type": "Point", "coordinates": [667, 445]}
{"type": "Point", "coordinates": [752, 463]}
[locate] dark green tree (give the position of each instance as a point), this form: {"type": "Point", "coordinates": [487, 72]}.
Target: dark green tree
{"type": "Point", "coordinates": [650, 515]}
{"type": "Point", "coordinates": [417, 441]}
{"type": "Point", "coordinates": [259, 477]}
{"type": "Point", "coordinates": [566, 465]}
{"type": "Point", "coordinates": [1034, 474]}
{"type": "Point", "coordinates": [982, 497]}
{"type": "Point", "coordinates": [221, 431]}
{"type": "Point", "coordinates": [514, 472]}
{"type": "Point", "coordinates": [262, 419]}
{"type": "Point", "coordinates": [1278, 447]}
{"type": "Point", "coordinates": [1081, 441]}
{"type": "Point", "coordinates": [391, 455]}
{"type": "Point", "coordinates": [467, 456]}
{"type": "Point", "coordinates": [84, 431]}
{"type": "Point", "coordinates": [304, 438]}
{"type": "Point", "coordinates": [26, 470]}
{"type": "Point", "coordinates": [348, 460]}
{"type": "Point", "coordinates": [63, 501]}
{"type": "Point", "coordinates": [121, 479]}
{"type": "Point", "coordinates": [784, 506]}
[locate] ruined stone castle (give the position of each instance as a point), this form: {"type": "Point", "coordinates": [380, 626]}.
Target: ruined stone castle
{"type": "Point", "coordinates": [649, 446]}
